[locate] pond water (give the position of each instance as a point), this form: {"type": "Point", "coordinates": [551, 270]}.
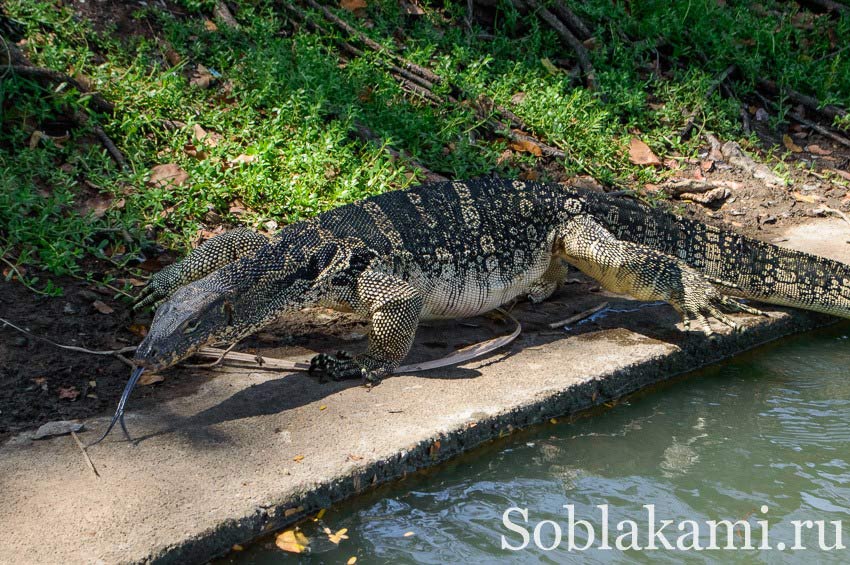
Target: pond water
{"type": "Point", "coordinates": [763, 437]}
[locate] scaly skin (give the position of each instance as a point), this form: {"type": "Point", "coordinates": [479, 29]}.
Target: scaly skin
{"type": "Point", "coordinates": [458, 249]}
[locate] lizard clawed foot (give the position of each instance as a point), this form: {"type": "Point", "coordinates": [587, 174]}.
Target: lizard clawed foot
{"type": "Point", "coordinates": [159, 288]}
{"type": "Point", "coordinates": [341, 366]}
{"type": "Point", "coordinates": [711, 303]}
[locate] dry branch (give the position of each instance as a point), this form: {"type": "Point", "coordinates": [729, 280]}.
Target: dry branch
{"type": "Point", "coordinates": [372, 44]}
{"type": "Point", "coordinates": [98, 102]}
{"type": "Point", "coordinates": [820, 129]}
{"type": "Point", "coordinates": [565, 34]}
{"type": "Point", "coordinates": [572, 21]}
{"type": "Point", "coordinates": [828, 5]}
{"type": "Point", "coordinates": [223, 13]}
{"type": "Point", "coordinates": [368, 135]}
{"type": "Point", "coordinates": [810, 102]}
{"type": "Point", "coordinates": [421, 81]}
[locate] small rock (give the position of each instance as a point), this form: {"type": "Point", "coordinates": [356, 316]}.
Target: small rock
{"type": "Point", "coordinates": [57, 428]}
{"type": "Point", "coordinates": [70, 309]}
{"type": "Point", "coordinates": [816, 212]}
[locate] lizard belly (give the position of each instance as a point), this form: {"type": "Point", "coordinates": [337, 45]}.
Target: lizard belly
{"type": "Point", "coordinates": [460, 293]}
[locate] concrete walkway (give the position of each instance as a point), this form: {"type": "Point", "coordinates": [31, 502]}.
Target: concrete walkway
{"type": "Point", "coordinates": [251, 451]}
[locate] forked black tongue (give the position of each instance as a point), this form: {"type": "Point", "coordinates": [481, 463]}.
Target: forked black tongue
{"type": "Point", "coordinates": [119, 412]}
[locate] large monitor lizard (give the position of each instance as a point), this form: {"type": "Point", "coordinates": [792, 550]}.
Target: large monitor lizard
{"type": "Point", "coordinates": [457, 249]}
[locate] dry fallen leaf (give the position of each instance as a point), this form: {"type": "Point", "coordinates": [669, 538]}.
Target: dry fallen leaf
{"type": "Point", "coordinates": [790, 145]}
{"type": "Point", "coordinates": [102, 308]}
{"type": "Point", "coordinates": [518, 97]}
{"type": "Point", "coordinates": [209, 25]}
{"type": "Point", "coordinates": [208, 138]}
{"type": "Point", "coordinates": [351, 561]}
{"type": "Point", "coordinates": [169, 174]}
{"type": "Point", "coordinates": [237, 208]}
{"type": "Point", "coordinates": [338, 536]}
{"type": "Point", "coordinates": [843, 174]}
{"type": "Point", "coordinates": [292, 541]}
{"type": "Point", "coordinates": [35, 138]}
{"type": "Point", "coordinates": [68, 393]}
{"type": "Point", "coordinates": [809, 198]}
{"type": "Point", "coordinates": [202, 77]}
{"type": "Point", "coordinates": [526, 146]}
{"type": "Point", "coordinates": [242, 159]}
{"type": "Point", "coordinates": [237, 547]}
{"type": "Point", "coordinates": [549, 66]}
{"type": "Point", "coordinates": [818, 150]}
{"type": "Point", "coordinates": [150, 379]}
{"type": "Point", "coordinates": [641, 154]}
{"type": "Point", "coordinates": [98, 204]}
{"type": "Point", "coordinates": [352, 5]}
{"type": "Point", "coordinates": [298, 458]}
{"type": "Point", "coordinates": [321, 513]}
{"type": "Point", "coordinates": [323, 407]}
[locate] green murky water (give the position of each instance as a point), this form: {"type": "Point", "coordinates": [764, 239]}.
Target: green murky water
{"type": "Point", "coordinates": [770, 428]}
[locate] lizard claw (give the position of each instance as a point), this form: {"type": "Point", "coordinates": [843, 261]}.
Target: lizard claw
{"type": "Point", "coordinates": [335, 367]}
{"type": "Point", "coordinates": [159, 288]}
{"type": "Point", "coordinates": [341, 366]}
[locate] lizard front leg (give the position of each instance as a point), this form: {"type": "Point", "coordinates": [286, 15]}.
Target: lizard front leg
{"type": "Point", "coordinates": [206, 258]}
{"type": "Point", "coordinates": [394, 307]}
{"type": "Point", "coordinates": [645, 273]}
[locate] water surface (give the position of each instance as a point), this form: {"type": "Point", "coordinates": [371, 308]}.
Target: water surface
{"type": "Point", "coordinates": [769, 428]}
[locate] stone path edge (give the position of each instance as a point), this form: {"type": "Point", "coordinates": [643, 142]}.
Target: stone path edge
{"type": "Point", "coordinates": [438, 449]}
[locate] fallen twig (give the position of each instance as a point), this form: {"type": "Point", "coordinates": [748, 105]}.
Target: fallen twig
{"type": "Point", "coordinates": [828, 5]}
{"type": "Point", "coordinates": [110, 146]}
{"type": "Point", "coordinates": [98, 102]}
{"type": "Point", "coordinates": [678, 187]}
{"type": "Point", "coordinates": [820, 129]}
{"type": "Point", "coordinates": [223, 13]}
{"type": "Point", "coordinates": [575, 44]}
{"type": "Point", "coordinates": [372, 44]}
{"type": "Point", "coordinates": [85, 454]}
{"type": "Point", "coordinates": [829, 110]}
{"type": "Point", "coordinates": [68, 347]}
{"type": "Point", "coordinates": [838, 213]}
{"type": "Point", "coordinates": [578, 317]}
{"type": "Point", "coordinates": [368, 135]}
{"type": "Point", "coordinates": [215, 363]}
{"type": "Point", "coordinates": [460, 356]}
{"type": "Point", "coordinates": [575, 23]}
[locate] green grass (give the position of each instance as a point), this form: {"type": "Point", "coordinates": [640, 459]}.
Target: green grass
{"type": "Point", "coordinates": [285, 99]}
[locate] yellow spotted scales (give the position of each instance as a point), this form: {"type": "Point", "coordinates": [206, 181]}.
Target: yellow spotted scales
{"type": "Point", "coordinates": [457, 249]}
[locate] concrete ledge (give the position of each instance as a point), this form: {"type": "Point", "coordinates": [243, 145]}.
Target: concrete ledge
{"type": "Point", "coordinates": [249, 452]}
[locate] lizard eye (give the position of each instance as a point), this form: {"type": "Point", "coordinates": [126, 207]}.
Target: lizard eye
{"type": "Point", "coordinates": [191, 326]}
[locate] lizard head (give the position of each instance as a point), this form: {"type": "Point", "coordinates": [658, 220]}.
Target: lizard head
{"type": "Point", "coordinates": [237, 300]}
{"type": "Point", "coordinates": [193, 317]}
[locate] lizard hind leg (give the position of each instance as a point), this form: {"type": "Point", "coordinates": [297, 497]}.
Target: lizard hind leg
{"type": "Point", "coordinates": [646, 274]}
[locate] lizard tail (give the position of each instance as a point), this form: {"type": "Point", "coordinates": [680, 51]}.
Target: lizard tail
{"type": "Point", "coordinates": [740, 265]}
